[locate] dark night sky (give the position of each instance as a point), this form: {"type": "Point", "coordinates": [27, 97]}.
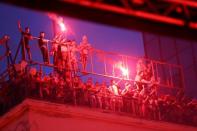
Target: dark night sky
{"type": "Point", "coordinates": [100, 36]}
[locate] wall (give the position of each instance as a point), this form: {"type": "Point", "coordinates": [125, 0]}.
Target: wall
{"type": "Point", "coordinates": [37, 115]}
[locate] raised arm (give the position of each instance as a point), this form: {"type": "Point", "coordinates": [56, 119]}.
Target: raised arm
{"type": "Point", "coordinates": [19, 26]}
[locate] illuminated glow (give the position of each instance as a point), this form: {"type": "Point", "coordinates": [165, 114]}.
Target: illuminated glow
{"type": "Point", "coordinates": [59, 21]}
{"type": "Point", "coordinates": [62, 26]}
{"type": "Point", "coordinates": [125, 71]}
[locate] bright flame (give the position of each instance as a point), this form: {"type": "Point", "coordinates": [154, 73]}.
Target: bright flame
{"type": "Point", "coordinates": [62, 26]}
{"type": "Point", "coordinates": [59, 20]}
{"type": "Point", "coordinates": [125, 71]}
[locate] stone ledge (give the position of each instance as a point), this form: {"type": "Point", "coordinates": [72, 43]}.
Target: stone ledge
{"type": "Point", "coordinates": [65, 111]}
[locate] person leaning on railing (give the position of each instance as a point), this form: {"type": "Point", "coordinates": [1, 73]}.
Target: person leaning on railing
{"type": "Point", "coordinates": [42, 42]}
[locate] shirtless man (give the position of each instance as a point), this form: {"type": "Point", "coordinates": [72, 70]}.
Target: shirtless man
{"type": "Point", "coordinates": [84, 49]}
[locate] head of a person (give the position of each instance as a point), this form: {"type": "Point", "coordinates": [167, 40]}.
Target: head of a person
{"type": "Point", "coordinates": [140, 62]}
{"type": "Point", "coordinates": [89, 80]}
{"type": "Point", "coordinates": [112, 81]}
{"type": "Point", "coordinates": [73, 43]}
{"type": "Point", "coordinates": [149, 66]}
{"type": "Point", "coordinates": [85, 38]}
{"type": "Point", "coordinates": [104, 83]}
{"type": "Point", "coordinates": [27, 30]}
{"type": "Point", "coordinates": [6, 37]}
{"type": "Point", "coordinates": [42, 34]}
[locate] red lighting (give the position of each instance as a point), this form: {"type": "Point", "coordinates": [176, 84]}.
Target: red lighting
{"type": "Point", "coordinates": [138, 2]}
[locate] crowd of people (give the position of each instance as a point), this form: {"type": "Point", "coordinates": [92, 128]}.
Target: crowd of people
{"type": "Point", "coordinates": [139, 98]}
{"type": "Point", "coordinates": [63, 50]}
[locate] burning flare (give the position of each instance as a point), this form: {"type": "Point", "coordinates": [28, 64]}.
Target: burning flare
{"type": "Point", "coordinates": [59, 20]}
{"type": "Point", "coordinates": [125, 71]}
{"type": "Point", "coordinates": [61, 24]}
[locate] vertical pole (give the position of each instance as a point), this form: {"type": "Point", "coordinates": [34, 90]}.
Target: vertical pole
{"type": "Point", "coordinates": [194, 59]}
{"type": "Point", "coordinates": [161, 58]}
{"type": "Point", "coordinates": [105, 69]}
{"type": "Point", "coordinates": [160, 49]}
{"type": "Point", "coordinates": [91, 61]}
{"type": "Point", "coordinates": [157, 71]}
{"type": "Point", "coordinates": [113, 73]}
{"type": "Point", "coordinates": [152, 65]}
{"type": "Point", "coordinates": [8, 64]}
{"type": "Point", "coordinates": [126, 66]}
{"type": "Point", "coordinates": [171, 80]}
{"type": "Point", "coordinates": [123, 61]}
{"type": "Point", "coordinates": [182, 77]}
{"type": "Point", "coordinates": [17, 50]}
{"type": "Point", "coordinates": [145, 45]}
{"type": "Point", "coordinates": [48, 52]}
{"type": "Point", "coordinates": [123, 65]}
{"type": "Point", "coordinates": [176, 52]}
{"type": "Point", "coordinates": [178, 62]}
{"type": "Point", "coordinates": [9, 60]}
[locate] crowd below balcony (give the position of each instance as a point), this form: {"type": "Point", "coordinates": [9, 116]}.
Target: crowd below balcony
{"type": "Point", "coordinates": [138, 98]}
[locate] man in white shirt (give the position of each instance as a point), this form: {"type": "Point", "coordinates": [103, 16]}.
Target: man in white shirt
{"type": "Point", "coordinates": [115, 95]}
